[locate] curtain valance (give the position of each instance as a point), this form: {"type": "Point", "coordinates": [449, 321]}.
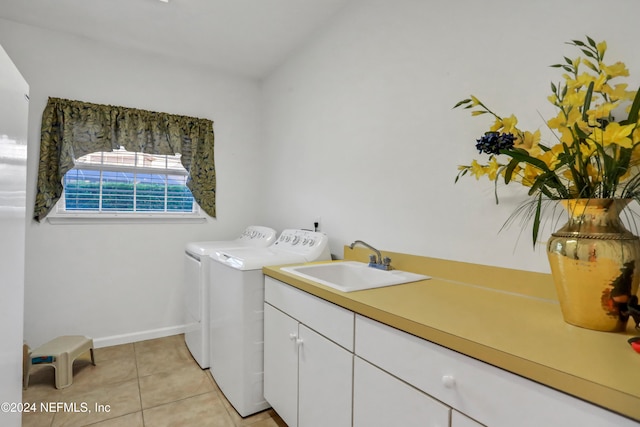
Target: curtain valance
{"type": "Point", "coordinates": [71, 129]}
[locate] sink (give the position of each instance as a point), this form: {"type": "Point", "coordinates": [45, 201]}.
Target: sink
{"type": "Point", "coordinates": [349, 276]}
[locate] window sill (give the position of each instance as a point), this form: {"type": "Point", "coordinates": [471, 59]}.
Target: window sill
{"type": "Point", "coordinates": [114, 218]}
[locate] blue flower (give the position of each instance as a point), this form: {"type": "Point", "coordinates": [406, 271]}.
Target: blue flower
{"type": "Point", "coordinates": [493, 142]}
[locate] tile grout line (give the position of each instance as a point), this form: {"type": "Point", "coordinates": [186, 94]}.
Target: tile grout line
{"type": "Point", "coordinates": [135, 355]}
{"type": "Point", "coordinates": [121, 382]}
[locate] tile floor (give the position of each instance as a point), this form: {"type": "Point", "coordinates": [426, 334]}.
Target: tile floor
{"type": "Point", "coordinates": [153, 383]}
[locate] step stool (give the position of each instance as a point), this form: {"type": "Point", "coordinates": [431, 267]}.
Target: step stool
{"type": "Point", "coordinates": [60, 353]}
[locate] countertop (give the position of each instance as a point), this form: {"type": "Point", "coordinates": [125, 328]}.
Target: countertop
{"type": "Point", "coordinates": [507, 318]}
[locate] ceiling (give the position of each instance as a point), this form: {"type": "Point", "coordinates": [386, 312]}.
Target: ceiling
{"type": "Point", "coordinates": [248, 37]}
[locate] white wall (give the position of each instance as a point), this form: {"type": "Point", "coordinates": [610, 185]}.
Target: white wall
{"type": "Point", "coordinates": [126, 279]}
{"type": "Point", "coordinates": [361, 132]}
{"type": "Point", "coordinates": [13, 177]}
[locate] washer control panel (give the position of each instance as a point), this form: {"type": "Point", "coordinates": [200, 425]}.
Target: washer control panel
{"type": "Point", "coordinates": [307, 242]}
{"type": "Point", "coordinates": [257, 232]}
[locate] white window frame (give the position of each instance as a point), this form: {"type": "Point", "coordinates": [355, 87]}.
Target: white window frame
{"type": "Point", "coordinates": [60, 215]}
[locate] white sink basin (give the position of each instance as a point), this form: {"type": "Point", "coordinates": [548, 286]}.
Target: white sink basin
{"type": "Point", "coordinates": [352, 276]}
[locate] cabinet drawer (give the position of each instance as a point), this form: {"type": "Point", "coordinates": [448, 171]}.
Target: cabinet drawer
{"type": "Point", "coordinates": [328, 319]}
{"type": "Point", "coordinates": [381, 400]}
{"type": "Point", "coordinates": [488, 394]}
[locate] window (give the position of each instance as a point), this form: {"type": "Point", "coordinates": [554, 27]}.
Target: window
{"type": "Point", "coordinates": [126, 183]}
{"type": "Point", "coordinates": [71, 129]}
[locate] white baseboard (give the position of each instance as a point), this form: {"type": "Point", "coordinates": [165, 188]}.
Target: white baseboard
{"type": "Point", "coordinates": [138, 336]}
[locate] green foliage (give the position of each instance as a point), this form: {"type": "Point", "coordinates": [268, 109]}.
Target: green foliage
{"type": "Point", "coordinates": [119, 197]}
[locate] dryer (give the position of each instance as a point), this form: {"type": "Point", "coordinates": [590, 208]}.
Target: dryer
{"type": "Point", "coordinates": [237, 312]}
{"type": "Point", "coordinates": [196, 277]}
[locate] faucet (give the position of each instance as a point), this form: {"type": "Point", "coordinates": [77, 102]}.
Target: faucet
{"type": "Point", "coordinates": [375, 260]}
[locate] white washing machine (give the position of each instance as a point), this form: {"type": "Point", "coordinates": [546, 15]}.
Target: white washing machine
{"type": "Point", "coordinates": [237, 312]}
{"type": "Point", "coordinates": [196, 276]}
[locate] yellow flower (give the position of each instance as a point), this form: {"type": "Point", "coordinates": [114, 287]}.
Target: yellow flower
{"type": "Point", "coordinates": [510, 124]}
{"type": "Point", "coordinates": [558, 121]}
{"type": "Point", "coordinates": [588, 148]}
{"type": "Point", "coordinates": [492, 169]}
{"type": "Point", "coordinates": [529, 140]}
{"type": "Point", "coordinates": [575, 99]}
{"type": "Point", "coordinates": [529, 175]}
{"type": "Point", "coordinates": [507, 125]}
{"type": "Point", "coordinates": [616, 70]}
{"type": "Point", "coordinates": [618, 92]}
{"type": "Point", "coordinates": [564, 125]}
{"type": "Point", "coordinates": [635, 155]}
{"type": "Point", "coordinates": [594, 174]}
{"type": "Point", "coordinates": [584, 79]}
{"type": "Point", "coordinates": [550, 158]}
{"type": "Point", "coordinates": [614, 133]}
{"type": "Point", "coordinates": [601, 112]}
{"type": "Point", "coordinates": [589, 64]}
{"type": "Point", "coordinates": [601, 47]}
{"type": "Point", "coordinates": [476, 169]}
{"type": "Point", "coordinates": [497, 125]}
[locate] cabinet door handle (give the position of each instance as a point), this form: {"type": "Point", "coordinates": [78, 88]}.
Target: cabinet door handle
{"type": "Point", "coordinates": [299, 342]}
{"type": "Point", "coordinates": [449, 381]}
{"type": "Point", "coordinates": [293, 336]}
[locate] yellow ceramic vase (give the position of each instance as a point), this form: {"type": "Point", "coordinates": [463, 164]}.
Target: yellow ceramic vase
{"type": "Point", "coordinates": [594, 263]}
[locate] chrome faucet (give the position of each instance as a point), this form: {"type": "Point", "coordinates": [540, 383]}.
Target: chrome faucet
{"type": "Point", "coordinates": [375, 260]}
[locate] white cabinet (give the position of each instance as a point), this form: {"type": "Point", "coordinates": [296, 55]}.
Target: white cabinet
{"type": "Point", "coordinates": [381, 400]}
{"type": "Point", "coordinates": [325, 372]}
{"type": "Point", "coordinates": [307, 375]}
{"type": "Point", "coordinates": [461, 420]}
{"type": "Point", "coordinates": [281, 364]}
{"type": "Point", "coordinates": [326, 366]}
{"type": "Point", "coordinates": [487, 394]}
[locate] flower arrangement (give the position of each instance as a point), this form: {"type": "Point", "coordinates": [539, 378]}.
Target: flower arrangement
{"type": "Point", "coordinates": [596, 153]}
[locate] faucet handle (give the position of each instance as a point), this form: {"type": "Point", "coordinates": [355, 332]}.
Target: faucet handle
{"type": "Point", "coordinates": [372, 259]}
{"type": "Point", "coordinates": [386, 261]}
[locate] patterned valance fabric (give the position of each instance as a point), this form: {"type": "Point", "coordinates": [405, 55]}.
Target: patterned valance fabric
{"type": "Point", "coordinates": [71, 129]}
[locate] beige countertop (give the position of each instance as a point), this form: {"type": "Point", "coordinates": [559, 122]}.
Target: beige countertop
{"type": "Point", "coordinates": [507, 318]}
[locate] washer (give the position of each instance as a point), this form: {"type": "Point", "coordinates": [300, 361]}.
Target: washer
{"type": "Point", "coordinates": [237, 312]}
{"type": "Point", "coordinates": [196, 276]}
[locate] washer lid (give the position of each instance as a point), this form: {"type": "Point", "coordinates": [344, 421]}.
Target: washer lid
{"type": "Point", "coordinates": [206, 248]}
{"type": "Point", "coordinates": [253, 235]}
{"type": "Point", "coordinates": [255, 258]}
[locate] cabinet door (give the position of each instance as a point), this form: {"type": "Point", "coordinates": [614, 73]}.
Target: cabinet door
{"type": "Point", "coordinates": [325, 382]}
{"type": "Point", "coordinates": [461, 420]}
{"type": "Point", "coordinates": [381, 400]}
{"type": "Point", "coordinates": [281, 364]}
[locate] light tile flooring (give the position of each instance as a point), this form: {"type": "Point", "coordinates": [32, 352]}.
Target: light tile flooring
{"type": "Point", "coordinates": [154, 383]}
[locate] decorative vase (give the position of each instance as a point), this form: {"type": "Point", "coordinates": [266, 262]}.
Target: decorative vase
{"type": "Point", "coordinates": [595, 264]}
